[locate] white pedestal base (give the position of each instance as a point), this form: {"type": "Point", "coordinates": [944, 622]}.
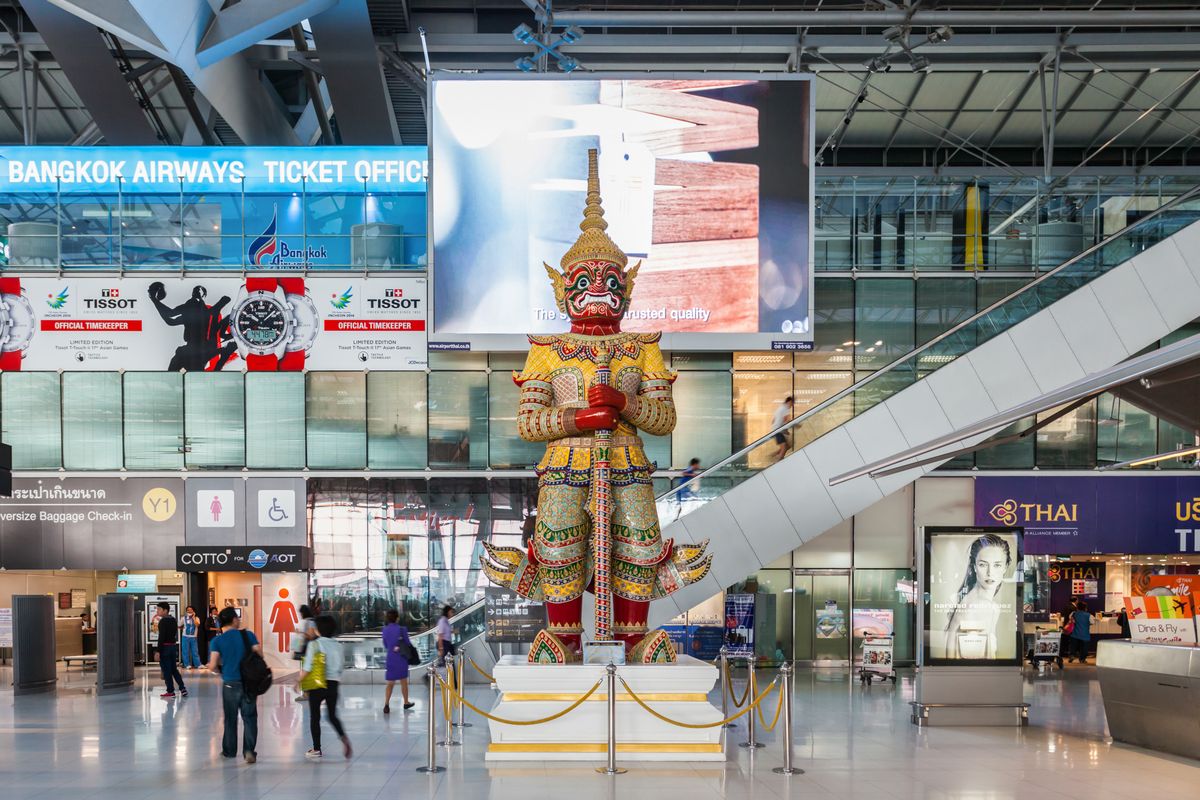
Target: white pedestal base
{"type": "Point", "coordinates": [531, 691]}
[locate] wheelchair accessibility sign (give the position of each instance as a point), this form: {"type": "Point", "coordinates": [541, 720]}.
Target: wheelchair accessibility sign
{"type": "Point", "coordinates": [276, 508]}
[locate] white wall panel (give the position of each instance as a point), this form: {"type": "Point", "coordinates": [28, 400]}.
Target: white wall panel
{"type": "Point", "coordinates": [1003, 373]}
{"type": "Point", "coordinates": [960, 393]}
{"type": "Point", "coordinates": [833, 454]}
{"type": "Point", "coordinates": [944, 501]}
{"type": "Point", "coordinates": [1044, 350]}
{"type": "Point", "coordinates": [1127, 304]}
{"type": "Point", "coordinates": [1088, 332]}
{"type": "Point", "coordinates": [830, 550]}
{"type": "Point", "coordinates": [803, 495]}
{"type": "Point", "coordinates": [758, 512]}
{"type": "Point", "coordinates": [1174, 291]}
{"type": "Point", "coordinates": [883, 532]}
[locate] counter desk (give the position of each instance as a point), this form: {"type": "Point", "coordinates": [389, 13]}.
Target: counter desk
{"type": "Point", "coordinates": [1151, 694]}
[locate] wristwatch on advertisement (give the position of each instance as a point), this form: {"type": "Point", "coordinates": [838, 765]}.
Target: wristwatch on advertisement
{"type": "Point", "coordinates": [274, 324]}
{"type": "Point", "coordinates": [16, 324]}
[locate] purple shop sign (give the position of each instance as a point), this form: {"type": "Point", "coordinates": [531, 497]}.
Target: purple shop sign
{"type": "Point", "coordinates": [1101, 514]}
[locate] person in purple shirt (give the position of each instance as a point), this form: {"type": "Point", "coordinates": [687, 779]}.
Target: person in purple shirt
{"type": "Point", "coordinates": [396, 643]}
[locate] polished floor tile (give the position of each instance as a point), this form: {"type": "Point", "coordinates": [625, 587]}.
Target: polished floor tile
{"type": "Point", "coordinates": [852, 742]}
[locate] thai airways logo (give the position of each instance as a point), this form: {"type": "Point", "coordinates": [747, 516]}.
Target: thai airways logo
{"type": "Point", "coordinates": [257, 559]}
{"type": "Point", "coordinates": [340, 301]}
{"type": "Point", "coordinates": [263, 249]}
{"type": "Point", "coordinates": [1010, 512]}
{"type": "Point", "coordinates": [57, 301]}
{"type": "Point", "coordinates": [1005, 512]}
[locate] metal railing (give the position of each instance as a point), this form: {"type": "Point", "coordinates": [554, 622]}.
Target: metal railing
{"type": "Point", "coordinates": [918, 363]}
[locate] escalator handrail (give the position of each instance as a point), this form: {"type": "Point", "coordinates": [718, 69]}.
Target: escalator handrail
{"type": "Point", "coordinates": [910, 355]}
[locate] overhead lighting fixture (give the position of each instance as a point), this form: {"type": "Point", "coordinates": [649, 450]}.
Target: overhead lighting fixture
{"type": "Point", "coordinates": [941, 33]}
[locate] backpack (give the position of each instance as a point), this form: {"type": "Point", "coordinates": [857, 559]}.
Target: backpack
{"type": "Point", "coordinates": [256, 675]}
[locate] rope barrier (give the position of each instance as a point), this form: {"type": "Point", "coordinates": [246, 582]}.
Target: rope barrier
{"type": "Point", "coordinates": [479, 669]}
{"type": "Point", "coordinates": [654, 713]}
{"type": "Point", "coordinates": [729, 687]}
{"type": "Point", "coordinates": [775, 721]}
{"type": "Point", "coordinates": [459, 698]}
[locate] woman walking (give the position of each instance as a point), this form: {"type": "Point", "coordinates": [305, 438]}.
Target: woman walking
{"type": "Point", "coordinates": [397, 645]}
{"type": "Point", "coordinates": [320, 675]}
{"type": "Point", "coordinates": [191, 644]}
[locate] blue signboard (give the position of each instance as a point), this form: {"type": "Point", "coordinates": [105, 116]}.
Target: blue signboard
{"type": "Point", "coordinates": [137, 583]}
{"type": "Point", "coordinates": [216, 207]}
{"type": "Point", "coordinates": [158, 169]}
{"type": "Point", "coordinates": [739, 624]}
{"type": "Point", "coordinates": [1103, 514]}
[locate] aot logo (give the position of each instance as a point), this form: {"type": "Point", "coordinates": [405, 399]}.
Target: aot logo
{"type": "Point", "coordinates": [257, 559]}
{"type": "Point", "coordinates": [1010, 512]}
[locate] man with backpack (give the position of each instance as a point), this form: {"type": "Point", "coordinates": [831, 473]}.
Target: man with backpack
{"type": "Point", "coordinates": [237, 657]}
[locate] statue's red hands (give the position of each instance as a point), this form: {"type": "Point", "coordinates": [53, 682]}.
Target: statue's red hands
{"type": "Point", "coordinates": [604, 395]}
{"type": "Point", "coordinates": [596, 418]}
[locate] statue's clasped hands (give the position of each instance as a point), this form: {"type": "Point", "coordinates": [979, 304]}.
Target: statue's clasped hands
{"type": "Point", "coordinates": [604, 409]}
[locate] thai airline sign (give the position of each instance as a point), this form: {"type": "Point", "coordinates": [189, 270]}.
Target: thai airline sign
{"type": "Point", "coordinates": [1103, 514]}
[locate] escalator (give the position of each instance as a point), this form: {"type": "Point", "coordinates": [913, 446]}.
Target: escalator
{"type": "Point", "coordinates": [1092, 312]}
{"type": "Point", "coordinates": [365, 651]}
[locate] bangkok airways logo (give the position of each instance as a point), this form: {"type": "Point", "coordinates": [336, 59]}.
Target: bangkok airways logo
{"type": "Point", "coordinates": [57, 301]}
{"type": "Point", "coordinates": [263, 249]}
{"type": "Point", "coordinates": [340, 301]}
{"type": "Point", "coordinates": [1005, 513]}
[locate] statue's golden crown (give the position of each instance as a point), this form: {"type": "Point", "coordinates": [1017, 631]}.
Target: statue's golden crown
{"type": "Point", "coordinates": [593, 243]}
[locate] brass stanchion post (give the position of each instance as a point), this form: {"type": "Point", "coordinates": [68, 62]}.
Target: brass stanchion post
{"type": "Point", "coordinates": [431, 764]}
{"type": "Point", "coordinates": [751, 728]}
{"type": "Point", "coordinates": [461, 658]}
{"type": "Point", "coordinates": [611, 767]}
{"type": "Point", "coordinates": [448, 708]}
{"type": "Point", "coordinates": [785, 672]}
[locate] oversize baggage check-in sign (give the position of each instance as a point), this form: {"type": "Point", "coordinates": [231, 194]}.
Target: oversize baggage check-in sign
{"type": "Point", "coordinates": [259, 322]}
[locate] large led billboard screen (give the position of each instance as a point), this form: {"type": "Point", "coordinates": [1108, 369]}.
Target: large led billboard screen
{"type": "Point", "coordinates": [706, 180]}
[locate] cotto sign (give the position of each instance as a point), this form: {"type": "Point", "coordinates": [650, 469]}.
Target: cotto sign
{"type": "Point", "coordinates": [242, 559]}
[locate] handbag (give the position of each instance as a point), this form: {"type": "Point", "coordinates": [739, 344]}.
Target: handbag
{"type": "Point", "coordinates": [315, 677]}
{"type": "Point", "coordinates": [1069, 628]}
{"type": "Point", "coordinates": [410, 653]}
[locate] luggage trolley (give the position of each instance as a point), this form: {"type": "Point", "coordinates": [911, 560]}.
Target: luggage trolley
{"type": "Point", "coordinates": [1047, 648]}
{"type": "Point", "coordinates": [877, 659]}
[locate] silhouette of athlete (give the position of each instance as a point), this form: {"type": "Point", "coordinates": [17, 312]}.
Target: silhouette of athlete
{"type": "Point", "coordinates": [205, 330]}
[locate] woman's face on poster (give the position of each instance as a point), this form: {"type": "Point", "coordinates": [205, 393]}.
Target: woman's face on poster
{"type": "Point", "coordinates": [991, 566]}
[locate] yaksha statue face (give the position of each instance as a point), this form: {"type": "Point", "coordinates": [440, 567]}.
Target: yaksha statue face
{"type": "Point", "coordinates": [594, 287]}
{"type": "Point", "coordinates": [596, 290]}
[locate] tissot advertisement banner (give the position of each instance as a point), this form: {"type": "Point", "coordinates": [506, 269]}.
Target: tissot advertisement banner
{"type": "Point", "coordinates": [973, 583]}
{"type": "Point", "coordinates": [91, 523]}
{"type": "Point", "coordinates": [705, 179]}
{"type": "Point", "coordinates": [1103, 514]}
{"type": "Point", "coordinates": [268, 558]}
{"type": "Point", "coordinates": [259, 322]}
